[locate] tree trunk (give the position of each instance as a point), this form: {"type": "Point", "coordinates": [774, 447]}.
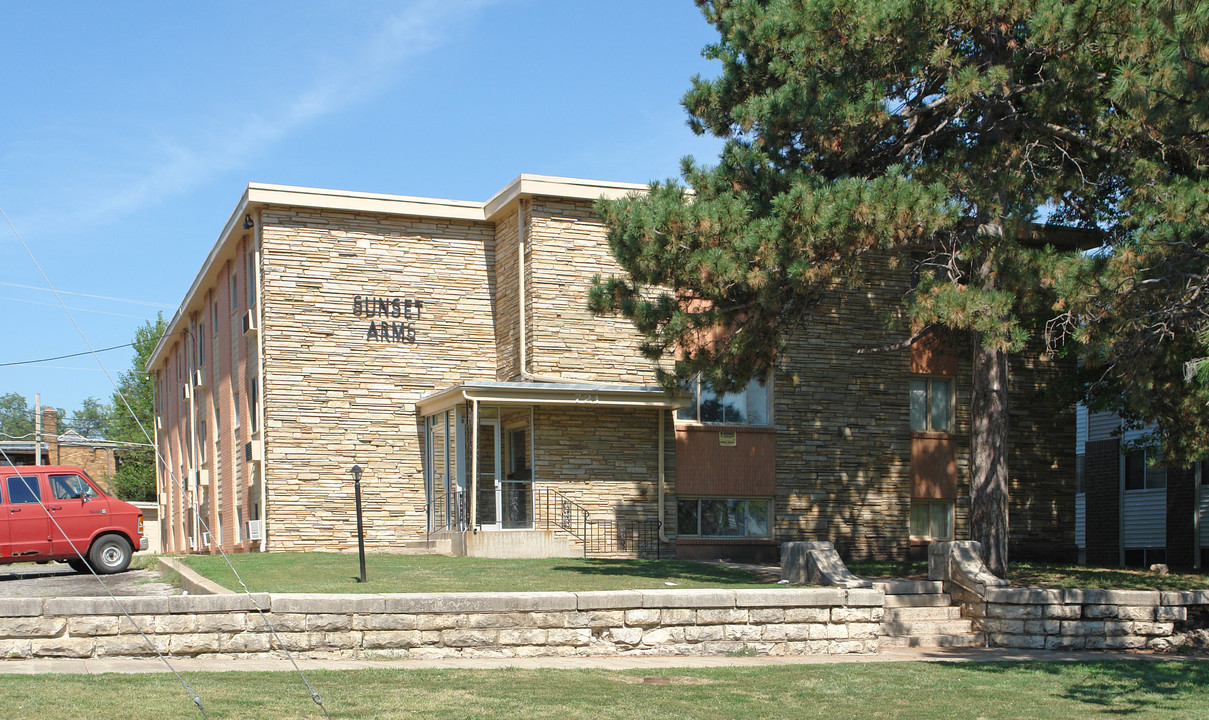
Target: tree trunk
{"type": "Point", "coordinates": [988, 456]}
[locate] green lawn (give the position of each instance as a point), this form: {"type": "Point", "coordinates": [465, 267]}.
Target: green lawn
{"type": "Point", "coordinates": [1052, 575]}
{"type": "Point", "coordinates": [319, 572]}
{"type": "Point", "coordinates": [1137, 689]}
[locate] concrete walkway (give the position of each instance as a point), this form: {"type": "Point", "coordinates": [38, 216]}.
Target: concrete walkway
{"type": "Point", "coordinates": [627, 662]}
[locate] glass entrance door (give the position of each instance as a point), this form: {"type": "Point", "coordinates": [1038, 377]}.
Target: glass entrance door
{"type": "Point", "coordinates": [488, 485]}
{"type": "Point", "coordinates": [516, 492]}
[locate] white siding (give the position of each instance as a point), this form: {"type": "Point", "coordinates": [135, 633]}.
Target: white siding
{"type": "Point", "coordinates": [1145, 515]}
{"type": "Point", "coordinates": [1080, 428]}
{"type": "Point", "coordinates": [1132, 435]}
{"type": "Point", "coordinates": [1204, 520]}
{"type": "Point", "coordinates": [1102, 426]}
{"type": "Point", "coordinates": [1081, 519]}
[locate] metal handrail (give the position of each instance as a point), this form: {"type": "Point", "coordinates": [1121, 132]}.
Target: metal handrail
{"type": "Point", "coordinates": [600, 537]}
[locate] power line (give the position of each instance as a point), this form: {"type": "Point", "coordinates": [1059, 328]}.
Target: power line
{"type": "Point", "coordinates": [60, 357]}
{"type": "Point", "coordinates": [87, 295]}
{"type": "Point", "coordinates": [78, 309]}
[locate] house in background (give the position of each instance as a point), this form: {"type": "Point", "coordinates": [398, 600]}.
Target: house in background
{"type": "Point", "coordinates": [1134, 510]}
{"type": "Point", "coordinates": [98, 457]}
{"type": "Point", "coordinates": [444, 347]}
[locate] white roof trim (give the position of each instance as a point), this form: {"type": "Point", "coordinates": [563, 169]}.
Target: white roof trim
{"type": "Point", "coordinates": [515, 393]}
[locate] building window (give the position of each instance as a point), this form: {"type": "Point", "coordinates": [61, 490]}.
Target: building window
{"type": "Point", "coordinates": [235, 405]}
{"type": "Point", "coordinates": [201, 441]}
{"type": "Point", "coordinates": [253, 416]}
{"type": "Point", "coordinates": [201, 345]}
{"type": "Point", "coordinates": [1144, 471]}
{"type": "Point", "coordinates": [931, 405]}
{"type": "Point", "coordinates": [233, 288]}
{"type": "Point", "coordinates": [931, 519]}
{"type": "Point", "coordinates": [748, 406]}
{"type": "Point", "coordinates": [251, 263]}
{"type": "Point", "coordinates": [214, 316]}
{"type": "Point", "coordinates": [722, 517]}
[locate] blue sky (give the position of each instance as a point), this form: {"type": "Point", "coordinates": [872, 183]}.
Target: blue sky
{"type": "Point", "coordinates": [129, 130]}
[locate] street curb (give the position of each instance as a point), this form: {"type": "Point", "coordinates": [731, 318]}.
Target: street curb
{"type": "Point", "coordinates": [193, 582]}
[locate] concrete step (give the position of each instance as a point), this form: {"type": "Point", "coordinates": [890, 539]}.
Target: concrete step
{"type": "Point", "coordinates": [922, 600]}
{"type": "Point", "coordinates": [926, 627]}
{"type": "Point", "coordinates": [909, 587]}
{"type": "Point", "coordinates": [919, 614]}
{"type": "Point", "coordinates": [935, 641]}
{"type": "Point", "coordinates": [441, 546]}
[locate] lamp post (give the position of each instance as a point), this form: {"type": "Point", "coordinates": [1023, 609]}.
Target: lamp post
{"type": "Point", "coordinates": [356, 471]}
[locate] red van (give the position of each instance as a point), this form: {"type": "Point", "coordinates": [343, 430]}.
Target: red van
{"type": "Point", "coordinates": [48, 512]}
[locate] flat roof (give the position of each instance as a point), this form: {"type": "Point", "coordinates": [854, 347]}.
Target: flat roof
{"type": "Point", "coordinates": [257, 195]}
{"type": "Point", "coordinates": [538, 393]}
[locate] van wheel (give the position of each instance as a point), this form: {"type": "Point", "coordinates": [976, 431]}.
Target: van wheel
{"type": "Point", "coordinates": [78, 565]}
{"type": "Point", "coordinates": [109, 554]}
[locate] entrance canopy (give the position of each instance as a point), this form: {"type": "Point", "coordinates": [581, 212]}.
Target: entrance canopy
{"type": "Point", "coordinates": [530, 393]}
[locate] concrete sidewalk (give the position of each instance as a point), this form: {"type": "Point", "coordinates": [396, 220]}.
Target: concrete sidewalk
{"type": "Point", "coordinates": [624, 662]}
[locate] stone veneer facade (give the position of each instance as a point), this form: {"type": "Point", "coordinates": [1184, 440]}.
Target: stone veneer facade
{"type": "Point", "coordinates": [329, 397]}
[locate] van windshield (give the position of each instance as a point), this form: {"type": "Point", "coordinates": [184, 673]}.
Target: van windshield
{"type": "Point", "coordinates": [71, 487]}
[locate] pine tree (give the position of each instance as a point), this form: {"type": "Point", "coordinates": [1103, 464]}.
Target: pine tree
{"type": "Point", "coordinates": [860, 127]}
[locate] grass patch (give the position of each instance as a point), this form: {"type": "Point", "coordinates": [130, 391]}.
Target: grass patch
{"type": "Point", "coordinates": [1050, 575]}
{"type": "Point", "coordinates": [1173, 690]}
{"type": "Point", "coordinates": [320, 572]}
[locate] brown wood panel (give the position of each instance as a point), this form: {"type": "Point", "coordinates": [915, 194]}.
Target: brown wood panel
{"type": "Point", "coordinates": [933, 354]}
{"type": "Point", "coordinates": [933, 467]}
{"type": "Point", "coordinates": [706, 467]}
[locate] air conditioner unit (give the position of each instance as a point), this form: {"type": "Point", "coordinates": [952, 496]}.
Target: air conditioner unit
{"type": "Point", "coordinates": [159, 422]}
{"type": "Point", "coordinates": [249, 323]}
{"type": "Point", "coordinates": [206, 539]}
{"type": "Point", "coordinates": [201, 477]}
{"type": "Point", "coordinates": [255, 530]}
{"type": "Point", "coordinates": [186, 392]}
{"type": "Point", "coordinates": [199, 378]}
{"type": "Point", "coordinates": [253, 451]}
{"type": "Point", "coordinates": [192, 544]}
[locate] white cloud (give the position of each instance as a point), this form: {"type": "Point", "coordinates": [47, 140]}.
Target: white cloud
{"type": "Point", "coordinates": [179, 159]}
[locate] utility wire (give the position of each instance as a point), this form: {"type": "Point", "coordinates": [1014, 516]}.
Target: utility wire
{"type": "Point", "coordinates": [61, 357]}
{"type": "Point", "coordinates": [164, 463]}
{"type": "Point", "coordinates": [87, 295]}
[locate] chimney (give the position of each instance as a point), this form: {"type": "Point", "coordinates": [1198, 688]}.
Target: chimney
{"type": "Point", "coordinates": [50, 435]}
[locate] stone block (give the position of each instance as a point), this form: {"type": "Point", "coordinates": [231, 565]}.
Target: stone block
{"type": "Point", "coordinates": [703, 633]}
{"type": "Point", "coordinates": [592, 619]}
{"type": "Point", "coordinates": [677, 616]}
{"type": "Point", "coordinates": [324, 622]}
{"type": "Point", "coordinates": [390, 639]}
{"type": "Point", "coordinates": [62, 647]}
{"type": "Point", "coordinates": [384, 621]}
{"type": "Point", "coordinates": [1117, 627]}
{"type": "Point", "coordinates": [627, 635]}
{"type": "Point", "coordinates": [31, 627]}
{"type": "Point", "coordinates": [1015, 612]}
{"type": "Point", "coordinates": [338, 640]}
{"type": "Point", "coordinates": [828, 632]}
{"type": "Point", "coordinates": [875, 598]}
{"type": "Point", "coordinates": [1022, 596]}
{"type": "Point", "coordinates": [1124, 642]}
{"type": "Point", "coordinates": [1168, 613]}
{"type": "Point", "coordinates": [1065, 642]}
{"type": "Point", "coordinates": [75, 606]}
{"type": "Point", "coordinates": [747, 633]}
{"type": "Point", "coordinates": [864, 631]}
{"type": "Point", "coordinates": [608, 600]}
{"type": "Point", "coordinates": [15, 649]}
{"type": "Point", "coordinates": [1137, 612]}
{"type": "Point", "coordinates": [281, 622]}
{"type": "Point", "coordinates": [770, 633]}
{"type": "Point", "coordinates": [326, 604]}
{"type": "Point", "coordinates": [1008, 640]}
{"type": "Point", "coordinates": [20, 607]}
{"type": "Point", "coordinates": [435, 621]}
{"type": "Point", "coordinates": [1153, 628]}
{"type": "Point", "coordinates": [1099, 612]}
{"type": "Point", "coordinates": [197, 604]}
{"type": "Point", "coordinates": [499, 620]}
{"type": "Point", "coordinates": [642, 618]}
{"type": "Point", "coordinates": [1062, 612]}
{"type": "Point", "coordinates": [807, 614]}
{"type": "Point", "coordinates": [523, 636]}
{"type": "Point", "coordinates": [722, 617]}
{"type": "Point", "coordinates": [1043, 627]}
{"type": "Point", "coordinates": [1095, 596]}
{"type": "Point", "coordinates": [797, 632]}
{"type": "Point", "coordinates": [244, 642]}
{"type": "Point", "coordinates": [1185, 597]}
{"type": "Point", "coordinates": [132, 645]}
{"type": "Point", "coordinates": [1001, 626]}
{"type": "Point", "coordinates": [469, 638]}
{"type": "Point", "coordinates": [574, 637]}
{"type": "Point", "coordinates": [1083, 627]}
{"type": "Point", "coordinates": [91, 625]}
{"type": "Point", "coordinates": [480, 602]}
{"type": "Point", "coordinates": [852, 614]}
{"type": "Point", "coordinates": [195, 644]}
{"type": "Point", "coordinates": [175, 624]}
{"type": "Point", "coordinates": [766, 615]}
{"type": "Point", "coordinates": [694, 598]}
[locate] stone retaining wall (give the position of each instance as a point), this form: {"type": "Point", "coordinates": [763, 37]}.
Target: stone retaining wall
{"type": "Point", "coordinates": [1082, 619]}
{"type": "Point", "coordinates": [781, 621]}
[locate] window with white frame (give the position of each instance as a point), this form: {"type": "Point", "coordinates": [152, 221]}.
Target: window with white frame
{"type": "Point", "coordinates": [931, 404]}
{"type": "Point", "coordinates": [723, 517]}
{"type": "Point", "coordinates": [749, 406]}
{"type": "Point", "coordinates": [932, 519]}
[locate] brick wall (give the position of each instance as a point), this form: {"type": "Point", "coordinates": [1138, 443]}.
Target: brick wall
{"type": "Point", "coordinates": [1102, 477]}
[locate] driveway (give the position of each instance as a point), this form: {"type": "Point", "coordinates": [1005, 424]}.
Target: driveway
{"type": "Point", "coordinates": [58, 580]}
